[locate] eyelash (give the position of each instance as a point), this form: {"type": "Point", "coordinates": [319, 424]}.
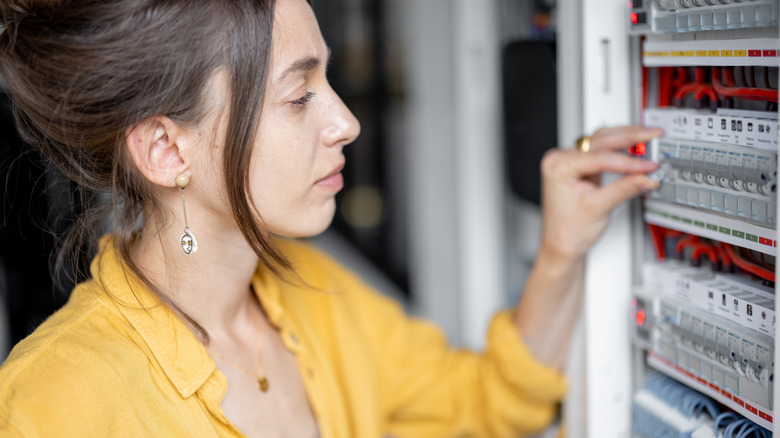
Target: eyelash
{"type": "Point", "coordinates": [305, 99]}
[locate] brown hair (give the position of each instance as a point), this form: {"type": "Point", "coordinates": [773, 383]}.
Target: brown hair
{"type": "Point", "coordinates": [82, 72]}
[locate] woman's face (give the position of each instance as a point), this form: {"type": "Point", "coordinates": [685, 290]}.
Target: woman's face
{"type": "Point", "coordinates": [297, 157]}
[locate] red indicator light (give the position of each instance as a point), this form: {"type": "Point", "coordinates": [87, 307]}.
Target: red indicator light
{"type": "Point", "coordinates": [634, 17]}
{"type": "Point", "coordinates": [640, 317]}
{"type": "Point", "coordinates": [630, 5]}
{"type": "Point", "coordinates": [640, 149]}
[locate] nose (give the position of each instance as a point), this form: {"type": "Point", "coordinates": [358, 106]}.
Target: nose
{"type": "Point", "coordinates": [343, 127]}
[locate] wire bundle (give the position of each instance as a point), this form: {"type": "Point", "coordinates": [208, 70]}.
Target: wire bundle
{"type": "Point", "coordinates": [665, 408]}
{"type": "Point", "coordinates": [718, 84]}
{"type": "Point", "coordinates": [687, 401]}
{"type": "Point", "coordinates": [736, 426]}
{"type": "Point", "coordinates": [722, 256]}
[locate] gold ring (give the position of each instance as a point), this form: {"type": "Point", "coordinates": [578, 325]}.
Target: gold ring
{"type": "Point", "coordinates": [583, 143]}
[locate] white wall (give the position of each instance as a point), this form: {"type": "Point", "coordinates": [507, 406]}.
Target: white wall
{"type": "Point", "coordinates": [456, 187]}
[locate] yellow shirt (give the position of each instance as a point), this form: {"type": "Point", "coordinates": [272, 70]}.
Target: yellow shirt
{"type": "Point", "coordinates": [114, 362]}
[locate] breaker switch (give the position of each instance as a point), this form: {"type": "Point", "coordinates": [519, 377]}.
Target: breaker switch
{"type": "Point", "coordinates": [639, 17]}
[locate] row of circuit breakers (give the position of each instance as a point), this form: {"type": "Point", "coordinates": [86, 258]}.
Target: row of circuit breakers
{"type": "Point", "coordinates": [725, 162]}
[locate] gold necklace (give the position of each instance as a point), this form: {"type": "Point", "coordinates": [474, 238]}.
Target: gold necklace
{"type": "Point", "coordinates": [262, 382]}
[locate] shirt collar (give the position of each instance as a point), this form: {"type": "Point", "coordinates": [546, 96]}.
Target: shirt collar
{"type": "Point", "coordinates": [182, 357]}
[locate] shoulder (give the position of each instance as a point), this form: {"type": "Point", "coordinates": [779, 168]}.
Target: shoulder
{"type": "Point", "coordinates": [52, 333]}
{"type": "Point", "coordinates": [69, 365]}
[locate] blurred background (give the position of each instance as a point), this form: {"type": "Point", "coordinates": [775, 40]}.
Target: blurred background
{"type": "Point", "coordinates": [457, 102]}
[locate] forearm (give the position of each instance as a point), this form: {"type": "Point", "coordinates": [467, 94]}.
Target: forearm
{"type": "Point", "coordinates": [550, 303]}
{"type": "Point", "coordinates": [576, 209]}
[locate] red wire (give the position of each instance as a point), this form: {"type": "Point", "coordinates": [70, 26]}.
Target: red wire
{"type": "Point", "coordinates": [671, 234]}
{"type": "Point", "coordinates": [724, 257]}
{"type": "Point", "coordinates": [664, 85]}
{"type": "Point", "coordinates": [744, 93]}
{"type": "Point", "coordinates": [729, 76]}
{"type": "Point", "coordinates": [747, 266]}
{"type": "Point", "coordinates": [687, 240]}
{"type": "Point", "coordinates": [702, 248]}
{"type": "Point", "coordinates": [691, 87]}
{"type": "Point", "coordinates": [657, 236]}
{"type": "Point", "coordinates": [699, 74]}
{"type": "Point", "coordinates": [682, 76]}
{"type": "Point", "coordinates": [706, 90]}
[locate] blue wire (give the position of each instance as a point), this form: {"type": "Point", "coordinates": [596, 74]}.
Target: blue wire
{"type": "Point", "coordinates": [692, 404]}
{"type": "Point", "coordinates": [731, 428]}
{"type": "Point", "coordinates": [746, 430]}
{"type": "Point", "coordinates": [726, 416]}
{"type": "Point", "coordinates": [712, 408]}
{"type": "Point", "coordinates": [686, 400]}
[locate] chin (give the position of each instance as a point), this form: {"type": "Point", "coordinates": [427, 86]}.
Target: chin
{"type": "Point", "coordinates": [308, 226]}
{"type": "Point", "coordinates": [313, 231]}
{"type": "Point", "coordinates": [300, 234]}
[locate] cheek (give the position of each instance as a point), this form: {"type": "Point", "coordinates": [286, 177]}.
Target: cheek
{"type": "Point", "coordinates": [284, 170]}
{"type": "Point", "coordinates": [279, 178]}
{"type": "Point", "coordinates": [284, 153]}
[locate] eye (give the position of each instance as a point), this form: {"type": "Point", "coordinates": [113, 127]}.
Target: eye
{"type": "Point", "coordinates": [305, 99]}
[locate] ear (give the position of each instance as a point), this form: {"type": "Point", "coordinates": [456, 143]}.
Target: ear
{"type": "Point", "coordinates": [158, 147]}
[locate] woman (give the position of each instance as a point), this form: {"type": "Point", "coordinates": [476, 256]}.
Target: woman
{"type": "Point", "coordinates": [214, 128]}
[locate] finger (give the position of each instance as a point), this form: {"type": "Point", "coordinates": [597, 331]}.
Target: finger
{"type": "Point", "coordinates": [622, 137]}
{"type": "Point", "coordinates": [619, 191]}
{"type": "Point", "coordinates": [579, 165]}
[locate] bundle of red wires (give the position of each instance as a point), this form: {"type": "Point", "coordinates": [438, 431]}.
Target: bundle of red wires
{"type": "Point", "coordinates": [722, 256]}
{"type": "Point", "coordinates": [674, 86]}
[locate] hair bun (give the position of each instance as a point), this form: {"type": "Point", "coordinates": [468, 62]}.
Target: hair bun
{"type": "Point", "coordinates": [16, 10]}
{"type": "Point", "coordinates": [12, 10]}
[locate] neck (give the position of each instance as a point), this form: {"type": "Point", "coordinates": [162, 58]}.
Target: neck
{"type": "Point", "coordinates": [211, 285]}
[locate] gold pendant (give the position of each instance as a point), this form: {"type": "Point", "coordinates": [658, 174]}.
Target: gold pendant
{"type": "Point", "coordinates": [188, 242]}
{"type": "Point", "coordinates": [262, 384]}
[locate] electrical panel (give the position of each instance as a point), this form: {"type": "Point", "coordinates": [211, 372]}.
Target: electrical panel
{"type": "Point", "coordinates": [703, 309]}
{"type": "Point", "coordinates": [675, 16]}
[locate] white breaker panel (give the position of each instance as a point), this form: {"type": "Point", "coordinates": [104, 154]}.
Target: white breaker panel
{"type": "Point", "coordinates": [703, 313]}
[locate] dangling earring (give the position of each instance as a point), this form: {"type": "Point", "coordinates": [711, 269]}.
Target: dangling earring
{"type": "Point", "coordinates": [188, 243]}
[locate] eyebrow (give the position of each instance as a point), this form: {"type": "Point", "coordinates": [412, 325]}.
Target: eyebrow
{"type": "Point", "coordinates": [304, 65]}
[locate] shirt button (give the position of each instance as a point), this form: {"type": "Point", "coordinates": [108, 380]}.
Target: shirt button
{"type": "Point", "coordinates": [293, 338]}
{"type": "Point", "coordinates": [311, 372]}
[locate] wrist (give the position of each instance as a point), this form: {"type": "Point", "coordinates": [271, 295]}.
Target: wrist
{"type": "Point", "coordinates": [550, 283]}
{"type": "Point", "coordinates": [558, 258]}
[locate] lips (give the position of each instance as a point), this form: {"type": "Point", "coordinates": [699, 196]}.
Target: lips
{"type": "Point", "coordinates": [333, 180]}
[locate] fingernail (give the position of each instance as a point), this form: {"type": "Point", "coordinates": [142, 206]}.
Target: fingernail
{"type": "Point", "coordinates": [650, 185]}
{"type": "Point", "coordinates": [657, 176]}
